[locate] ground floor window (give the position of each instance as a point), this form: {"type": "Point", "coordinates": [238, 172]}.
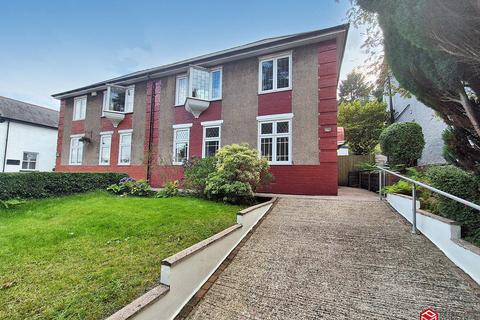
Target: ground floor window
{"type": "Point", "coordinates": [181, 138]}
{"type": "Point", "coordinates": [29, 161]}
{"type": "Point", "coordinates": [125, 148]}
{"type": "Point", "coordinates": [76, 150]}
{"type": "Point", "coordinates": [105, 148]}
{"type": "Point", "coordinates": [211, 138]}
{"type": "Point", "coordinates": [275, 140]}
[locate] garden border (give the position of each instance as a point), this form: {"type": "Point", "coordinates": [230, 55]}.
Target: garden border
{"type": "Point", "coordinates": [184, 273]}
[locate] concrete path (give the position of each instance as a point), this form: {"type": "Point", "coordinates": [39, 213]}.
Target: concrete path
{"type": "Point", "coordinates": [338, 258]}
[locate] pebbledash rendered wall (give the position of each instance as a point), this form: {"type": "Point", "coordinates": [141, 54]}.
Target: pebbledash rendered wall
{"type": "Point", "coordinates": [312, 100]}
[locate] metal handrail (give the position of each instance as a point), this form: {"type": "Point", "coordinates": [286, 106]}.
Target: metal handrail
{"type": "Point", "coordinates": [414, 193]}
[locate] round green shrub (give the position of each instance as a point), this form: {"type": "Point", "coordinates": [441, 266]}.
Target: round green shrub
{"type": "Point", "coordinates": [461, 184]}
{"type": "Point", "coordinates": [402, 143]}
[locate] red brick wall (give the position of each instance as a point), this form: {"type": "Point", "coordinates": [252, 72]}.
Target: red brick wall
{"type": "Point", "coordinates": [275, 103]}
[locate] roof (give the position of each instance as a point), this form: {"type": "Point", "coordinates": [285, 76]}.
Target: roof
{"type": "Point", "coordinates": [261, 47]}
{"type": "Point", "coordinates": [26, 112]}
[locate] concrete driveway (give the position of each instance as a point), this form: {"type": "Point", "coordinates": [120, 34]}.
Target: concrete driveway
{"type": "Point", "coordinates": [347, 257]}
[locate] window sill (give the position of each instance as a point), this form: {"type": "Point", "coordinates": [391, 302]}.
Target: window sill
{"type": "Point", "coordinates": [183, 105]}
{"type": "Point", "coordinates": [74, 164]}
{"type": "Point", "coordinates": [104, 164]}
{"type": "Point", "coordinates": [78, 119]}
{"type": "Point", "coordinates": [288, 163]}
{"type": "Point", "coordinates": [275, 90]}
{"type": "Point", "coordinates": [125, 113]}
{"type": "Point", "coordinates": [123, 164]}
{"type": "Point", "coordinates": [178, 163]}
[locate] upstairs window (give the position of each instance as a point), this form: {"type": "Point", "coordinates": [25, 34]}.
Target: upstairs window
{"type": "Point", "coordinates": [275, 73]}
{"type": "Point", "coordinates": [200, 83]}
{"type": "Point", "coordinates": [29, 160]}
{"type": "Point", "coordinates": [119, 99]}
{"type": "Point", "coordinates": [79, 108]}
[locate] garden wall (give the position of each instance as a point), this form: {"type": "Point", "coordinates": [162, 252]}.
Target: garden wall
{"type": "Point", "coordinates": [444, 233]}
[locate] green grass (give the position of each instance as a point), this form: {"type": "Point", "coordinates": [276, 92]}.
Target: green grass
{"type": "Point", "coordinates": [86, 256]}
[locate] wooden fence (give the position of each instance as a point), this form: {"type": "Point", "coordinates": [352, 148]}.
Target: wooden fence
{"type": "Point", "coordinates": [349, 163]}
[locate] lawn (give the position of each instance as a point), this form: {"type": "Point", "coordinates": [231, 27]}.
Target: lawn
{"type": "Point", "coordinates": [86, 256]}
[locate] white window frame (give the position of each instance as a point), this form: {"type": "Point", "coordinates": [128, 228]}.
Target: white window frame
{"type": "Point", "coordinates": [189, 88]}
{"type": "Point", "coordinates": [275, 58]}
{"type": "Point", "coordinates": [211, 83]}
{"type": "Point", "coordinates": [103, 135]}
{"type": "Point", "coordinates": [36, 161]}
{"type": "Point", "coordinates": [127, 110]}
{"type": "Point", "coordinates": [274, 119]}
{"type": "Point", "coordinates": [72, 138]}
{"type": "Point", "coordinates": [123, 133]}
{"type": "Point", "coordinates": [211, 124]}
{"type": "Point", "coordinates": [176, 127]}
{"type": "Point", "coordinates": [83, 111]}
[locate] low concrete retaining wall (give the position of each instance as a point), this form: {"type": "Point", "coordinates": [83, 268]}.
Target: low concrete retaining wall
{"type": "Point", "coordinates": [183, 274]}
{"type": "Point", "coordinates": [444, 233]}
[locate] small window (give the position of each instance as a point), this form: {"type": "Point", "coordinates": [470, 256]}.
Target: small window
{"type": "Point", "coordinates": [181, 93]}
{"type": "Point", "coordinates": [79, 108]}
{"type": "Point", "coordinates": [211, 140]}
{"type": "Point", "coordinates": [105, 148]}
{"type": "Point", "coordinates": [181, 139]}
{"type": "Point", "coordinates": [216, 90]}
{"type": "Point", "coordinates": [275, 74]}
{"type": "Point", "coordinates": [125, 148]}
{"type": "Point", "coordinates": [275, 141]}
{"type": "Point", "coordinates": [119, 99]}
{"type": "Point", "coordinates": [76, 151]}
{"type": "Point", "coordinates": [29, 161]}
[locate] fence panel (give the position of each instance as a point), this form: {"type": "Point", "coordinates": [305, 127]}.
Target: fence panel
{"type": "Point", "coordinates": [349, 163]}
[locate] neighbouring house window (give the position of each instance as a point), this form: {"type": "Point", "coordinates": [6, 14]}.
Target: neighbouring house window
{"type": "Point", "coordinates": [76, 151]}
{"type": "Point", "coordinates": [125, 148]}
{"type": "Point", "coordinates": [105, 148]}
{"type": "Point", "coordinates": [275, 141]}
{"type": "Point", "coordinates": [275, 73]}
{"type": "Point", "coordinates": [79, 108]}
{"type": "Point", "coordinates": [200, 83]}
{"type": "Point", "coordinates": [29, 160]}
{"type": "Point", "coordinates": [181, 139]}
{"type": "Point", "coordinates": [119, 99]}
{"type": "Point", "coordinates": [211, 140]}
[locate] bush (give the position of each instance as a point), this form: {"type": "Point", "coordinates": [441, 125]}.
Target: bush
{"type": "Point", "coordinates": [461, 184]}
{"type": "Point", "coordinates": [239, 171]}
{"type": "Point", "coordinates": [196, 173]}
{"type": "Point", "coordinates": [128, 186]}
{"type": "Point", "coordinates": [169, 190]}
{"type": "Point", "coordinates": [403, 143]}
{"type": "Point", "coordinates": [31, 185]}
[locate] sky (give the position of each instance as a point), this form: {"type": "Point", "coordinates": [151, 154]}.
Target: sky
{"type": "Point", "coordinates": [52, 46]}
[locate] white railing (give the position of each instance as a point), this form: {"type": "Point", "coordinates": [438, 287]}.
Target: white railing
{"type": "Point", "coordinates": [381, 182]}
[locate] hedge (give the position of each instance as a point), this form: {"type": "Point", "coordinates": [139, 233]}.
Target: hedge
{"type": "Point", "coordinates": [461, 184]}
{"type": "Point", "coordinates": [49, 184]}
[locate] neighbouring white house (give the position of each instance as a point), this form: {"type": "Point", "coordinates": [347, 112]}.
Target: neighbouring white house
{"type": "Point", "coordinates": [28, 136]}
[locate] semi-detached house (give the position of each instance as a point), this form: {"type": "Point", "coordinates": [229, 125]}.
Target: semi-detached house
{"type": "Point", "coordinates": [278, 95]}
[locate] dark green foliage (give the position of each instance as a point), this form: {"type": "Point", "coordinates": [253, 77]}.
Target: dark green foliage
{"type": "Point", "coordinates": [363, 123]}
{"type": "Point", "coordinates": [131, 187]}
{"type": "Point", "coordinates": [196, 173]}
{"type": "Point", "coordinates": [170, 189]}
{"type": "Point", "coordinates": [431, 47]}
{"type": "Point", "coordinates": [403, 143]}
{"type": "Point", "coordinates": [49, 184]}
{"type": "Point", "coordinates": [461, 184]}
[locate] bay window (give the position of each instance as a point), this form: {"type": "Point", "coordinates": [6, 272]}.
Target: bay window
{"type": "Point", "coordinates": [76, 150]}
{"type": "Point", "coordinates": [200, 83]}
{"type": "Point", "coordinates": [275, 73]}
{"type": "Point", "coordinates": [105, 148]}
{"type": "Point", "coordinates": [119, 99]}
{"type": "Point", "coordinates": [275, 138]}
{"type": "Point", "coordinates": [181, 141]}
{"type": "Point", "coordinates": [125, 147]}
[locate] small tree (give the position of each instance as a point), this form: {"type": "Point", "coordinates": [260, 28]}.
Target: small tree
{"type": "Point", "coordinates": [238, 172]}
{"type": "Point", "coordinates": [403, 143]}
{"type": "Point", "coordinates": [355, 87]}
{"type": "Point", "coordinates": [363, 123]}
